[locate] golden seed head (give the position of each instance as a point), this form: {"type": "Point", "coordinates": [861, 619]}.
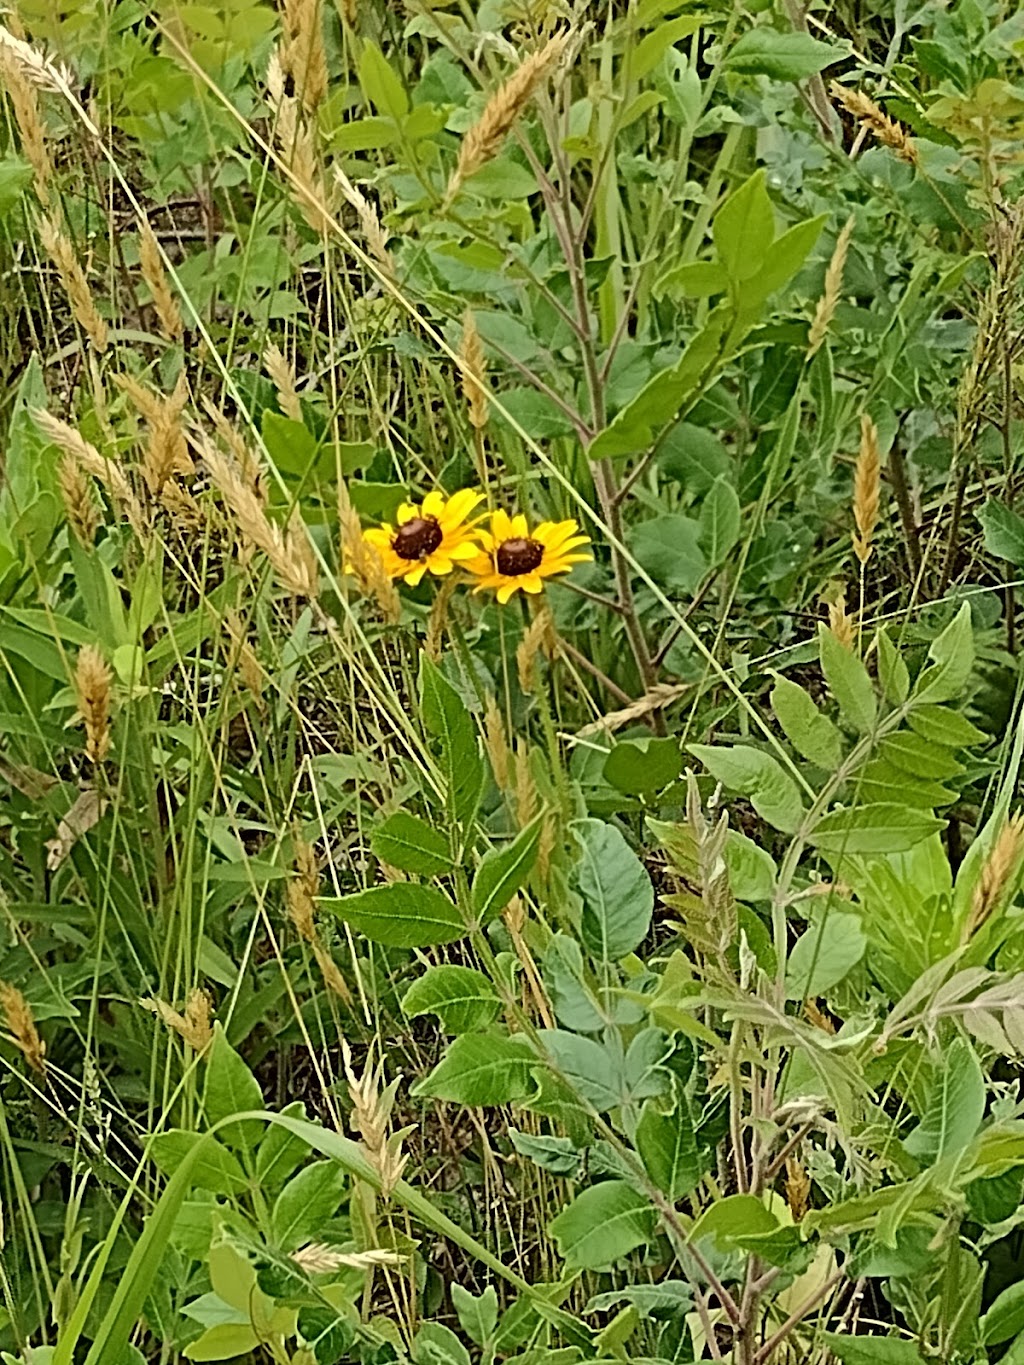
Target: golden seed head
{"type": "Point", "coordinates": [539, 636]}
{"type": "Point", "coordinates": [841, 624]}
{"type": "Point", "coordinates": [497, 744]}
{"type": "Point", "coordinates": [473, 368]}
{"type": "Point", "coordinates": [151, 263]}
{"type": "Point", "coordinates": [371, 1117]}
{"type": "Point", "coordinates": [374, 232]}
{"type": "Point", "coordinates": [302, 53]}
{"type": "Point", "coordinates": [866, 486]}
{"type": "Point", "coordinates": [829, 301]}
{"type": "Point", "coordinates": [282, 376]}
{"type": "Point", "coordinates": [62, 253]}
{"type": "Point", "coordinates": [25, 104]}
{"type": "Point", "coordinates": [22, 1025]}
{"type": "Point", "coordinates": [194, 1026]}
{"type": "Point", "coordinates": [79, 501]}
{"type": "Point", "coordinates": [998, 871]}
{"type": "Point", "coordinates": [92, 688]}
{"type": "Point", "coordinates": [798, 1187]}
{"type": "Point", "coordinates": [886, 130]}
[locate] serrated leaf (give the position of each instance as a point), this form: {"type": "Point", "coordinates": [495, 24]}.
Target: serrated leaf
{"type": "Point", "coordinates": [848, 681]}
{"type": "Point", "coordinates": [919, 756]}
{"type": "Point", "coordinates": [481, 1068]}
{"type": "Point", "coordinates": [462, 998]}
{"type": "Point", "coordinates": [400, 915]}
{"type": "Point", "coordinates": [667, 1143]}
{"type": "Point", "coordinates": [503, 871]}
{"type": "Point", "coordinates": [380, 84]}
{"type": "Point", "coordinates": [757, 775]}
{"type": "Point", "coordinates": [812, 734]}
{"type": "Point", "coordinates": [601, 1225]}
{"type": "Point", "coordinates": [404, 840]}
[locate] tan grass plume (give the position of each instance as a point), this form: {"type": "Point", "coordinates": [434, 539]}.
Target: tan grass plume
{"type": "Point", "coordinates": [282, 376]}
{"type": "Point", "coordinates": [886, 130]}
{"type": "Point", "coordinates": [842, 625]}
{"type": "Point", "coordinates": [361, 559]}
{"type": "Point", "coordinates": [473, 369]}
{"type": "Point", "coordinates": [106, 470]}
{"type": "Point", "coordinates": [61, 252]}
{"type": "Point", "coordinates": [25, 104]}
{"type": "Point", "coordinates": [21, 1022]}
{"type": "Point", "coordinates": [829, 301]}
{"type": "Point", "coordinates": [866, 489]}
{"type": "Point", "coordinates": [999, 870]}
{"type": "Point", "coordinates": [92, 689]}
{"type": "Point", "coordinates": [370, 225]}
{"type": "Point", "coordinates": [485, 138]}
{"type": "Point", "coordinates": [496, 743]}
{"type": "Point", "coordinates": [295, 141]}
{"type": "Point", "coordinates": [371, 1119]}
{"type": "Point", "coordinates": [79, 501]}
{"type": "Point", "coordinates": [193, 1026]}
{"type": "Point", "coordinates": [151, 263]}
{"type": "Point", "coordinates": [302, 51]}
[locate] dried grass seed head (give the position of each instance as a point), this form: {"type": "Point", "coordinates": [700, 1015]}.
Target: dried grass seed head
{"type": "Point", "coordinates": [21, 1023]}
{"type": "Point", "coordinates": [829, 301]}
{"type": "Point", "coordinates": [80, 506]}
{"type": "Point", "coordinates": [93, 690]}
{"type": "Point", "coordinates": [866, 489]}
{"type": "Point", "coordinates": [997, 874]}
{"type": "Point", "coordinates": [61, 252]}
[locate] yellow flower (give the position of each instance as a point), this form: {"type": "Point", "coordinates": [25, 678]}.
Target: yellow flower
{"type": "Point", "coordinates": [430, 538]}
{"type": "Point", "coordinates": [515, 557]}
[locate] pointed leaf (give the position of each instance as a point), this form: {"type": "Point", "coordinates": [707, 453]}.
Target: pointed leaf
{"type": "Point", "coordinates": [400, 915]}
{"type": "Point", "coordinates": [601, 1225]}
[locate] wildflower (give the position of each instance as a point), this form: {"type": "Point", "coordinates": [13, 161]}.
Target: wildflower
{"type": "Point", "coordinates": [430, 538]}
{"type": "Point", "coordinates": [515, 557]}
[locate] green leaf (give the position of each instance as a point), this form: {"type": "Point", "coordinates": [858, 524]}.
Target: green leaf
{"type": "Point", "coordinates": [744, 229]}
{"type": "Point", "coordinates": [481, 1068]}
{"type": "Point", "coordinates": [653, 46]}
{"type": "Point", "coordinates": [885, 827]}
{"type": "Point", "coordinates": [231, 1088]}
{"type": "Point", "coordinates": [1005, 1318]}
{"type": "Point", "coordinates": [919, 757]}
{"type": "Point", "coordinates": [752, 869]}
{"type": "Point", "coordinates": [400, 915]}
{"type": "Point", "coordinates": [635, 766]}
{"type": "Point", "coordinates": [618, 898]}
{"type": "Point", "coordinates": [694, 280]}
{"type": "Point", "coordinates": [463, 999]}
{"type": "Point", "coordinates": [812, 734]}
{"type": "Point", "coordinates": [215, 1168]}
{"type": "Point", "coordinates": [667, 548]}
{"type": "Point", "coordinates": [478, 1314]}
{"type": "Point", "coordinates": [872, 1350]}
{"type": "Point", "coordinates": [829, 949]}
{"type": "Point", "coordinates": [953, 656]}
{"type": "Point", "coordinates": [848, 681]}
{"type": "Point", "coordinates": [446, 718]}
{"type": "Point", "coordinates": [503, 871]}
{"type": "Point", "coordinates": [1004, 531]}
{"type": "Point", "coordinates": [585, 1065]}
{"type": "Point", "coordinates": [737, 1215]}
{"type": "Point", "coordinates": [667, 1143]}
{"type": "Point", "coordinates": [601, 1225]}
{"type": "Point", "coordinates": [310, 1199]}
{"type": "Point", "coordinates": [788, 253]}
{"type": "Point", "coordinates": [438, 1345]}
{"type": "Point", "coordinates": [789, 56]}
{"type": "Point", "coordinates": [404, 840]}
{"type": "Point", "coordinates": [380, 84]}
{"type": "Point", "coordinates": [892, 671]}
{"type": "Point", "coordinates": [757, 775]}
{"type": "Point", "coordinates": [225, 1342]}
{"type": "Point", "coordinates": [15, 178]}
{"type": "Point", "coordinates": [955, 1108]}
{"type": "Point", "coordinates": [632, 429]}
{"type": "Point", "coordinates": [940, 725]}
{"type": "Point", "coordinates": [719, 525]}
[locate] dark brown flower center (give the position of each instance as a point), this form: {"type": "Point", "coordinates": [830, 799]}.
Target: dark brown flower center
{"type": "Point", "coordinates": [417, 538]}
{"type": "Point", "coordinates": [516, 557]}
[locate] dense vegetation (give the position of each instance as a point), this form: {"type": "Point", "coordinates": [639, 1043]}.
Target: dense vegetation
{"type": "Point", "coordinates": [509, 708]}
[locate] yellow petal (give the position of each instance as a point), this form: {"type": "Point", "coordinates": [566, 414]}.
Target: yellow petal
{"type": "Point", "coordinates": [439, 563]}
{"type": "Point", "coordinates": [415, 574]}
{"type": "Point", "coordinates": [531, 582]}
{"type": "Point", "coordinates": [433, 504]}
{"type": "Point", "coordinates": [406, 512]}
{"type": "Point", "coordinates": [379, 536]}
{"type": "Point", "coordinates": [506, 590]}
{"type": "Point", "coordinates": [464, 549]}
{"type": "Point", "coordinates": [459, 506]}
{"type": "Point", "coordinates": [501, 526]}
{"type": "Point", "coordinates": [520, 527]}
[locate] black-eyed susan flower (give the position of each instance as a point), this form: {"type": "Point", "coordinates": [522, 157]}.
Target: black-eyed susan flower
{"type": "Point", "coordinates": [429, 538]}
{"type": "Point", "coordinates": [515, 557]}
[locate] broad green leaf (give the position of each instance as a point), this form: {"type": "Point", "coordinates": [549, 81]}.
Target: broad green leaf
{"type": "Point", "coordinates": [667, 1143]}
{"type": "Point", "coordinates": [940, 725]}
{"type": "Point", "coordinates": [618, 898]}
{"type": "Point", "coordinates": [953, 655]}
{"type": "Point", "coordinates": [653, 46]}
{"type": "Point", "coordinates": [463, 999]}
{"type": "Point", "coordinates": [848, 681]}
{"type": "Point", "coordinates": [1005, 1318]}
{"type": "Point", "coordinates": [481, 1068]}
{"type": "Point", "coordinates": [744, 229]}
{"type": "Point", "coordinates": [216, 1168]}
{"type": "Point", "coordinates": [577, 1005]}
{"type": "Point", "coordinates": [1004, 531]}
{"type": "Point", "coordinates": [632, 429]}
{"type": "Point", "coordinates": [861, 1350]}
{"type": "Point", "coordinates": [719, 523]}
{"type": "Point", "coordinates": [882, 828]}
{"type": "Point", "coordinates": [812, 734]}
{"type": "Point", "coordinates": [380, 84]}
{"type": "Point", "coordinates": [752, 869]}
{"type": "Point", "coordinates": [586, 1066]}
{"type": "Point", "coordinates": [920, 757]}
{"type": "Point", "coordinates": [666, 547]}
{"type": "Point", "coordinates": [231, 1088]}
{"type": "Point", "coordinates": [503, 871]}
{"type": "Point", "coordinates": [955, 1108]}
{"type": "Point", "coordinates": [892, 671]}
{"type": "Point", "coordinates": [642, 765]}
{"type": "Point", "coordinates": [400, 915]}
{"type": "Point", "coordinates": [310, 1199]}
{"type": "Point", "coordinates": [446, 718]}
{"type": "Point", "coordinates": [404, 840]}
{"type": "Point", "coordinates": [280, 1151]}
{"type": "Point", "coordinates": [757, 775]}
{"type": "Point", "coordinates": [225, 1342]}
{"type": "Point", "coordinates": [694, 280]}
{"type": "Point", "coordinates": [791, 56]}
{"type": "Point", "coordinates": [788, 253]}
{"type": "Point", "coordinates": [477, 1313]}
{"type": "Point", "coordinates": [601, 1225]}
{"type": "Point", "coordinates": [437, 1344]}
{"type": "Point", "coordinates": [822, 955]}
{"type": "Point", "coordinates": [737, 1215]}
